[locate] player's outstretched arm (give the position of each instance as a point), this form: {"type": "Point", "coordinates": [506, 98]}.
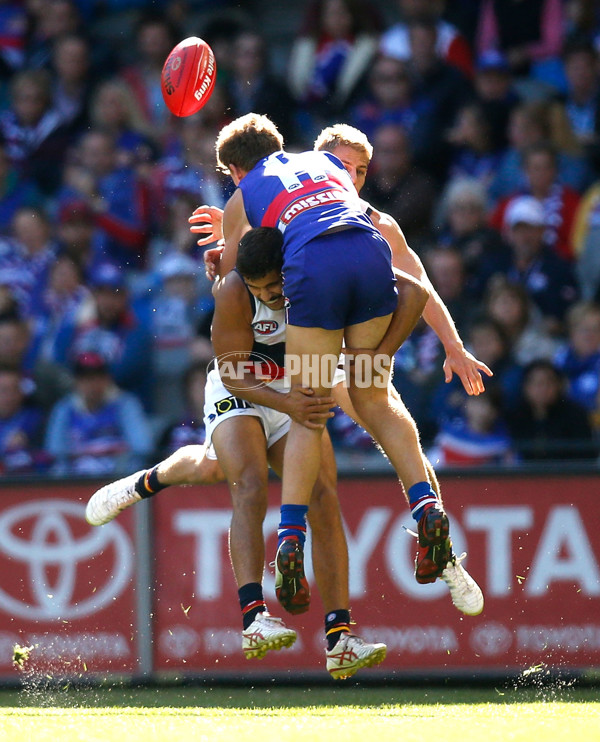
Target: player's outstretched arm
{"type": "Point", "coordinates": [458, 360]}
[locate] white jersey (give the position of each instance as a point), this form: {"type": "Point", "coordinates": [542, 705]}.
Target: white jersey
{"type": "Point", "coordinates": [268, 327]}
{"type": "Point", "coordinates": [268, 350]}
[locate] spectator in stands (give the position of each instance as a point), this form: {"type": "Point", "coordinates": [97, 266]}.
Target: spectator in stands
{"type": "Point", "coordinates": [43, 382]}
{"type": "Point", "coordinates": [98, 429]}
{"type": "Point", "coordinates": [559, 202]}
{"type": "Point", "coordinates": [399, 187]}
{"type": "Point", "coordinates": [75, 231]}
{"type": "Point", "coordinates": [465, 228]}
{"type": "Point", "coordinates": [495, 93]}
{"type": "Point", "coordinates": [579, 358]}
{"type": "Point", "coordinates": [548, 278]}
{"type": "Point", "coordinates": [331, 54]}
{"type": "Point", "coordinates": [154, 39]}
{"type": "Point", "coordinates": [49, 22]}
{"type": "Point", "coordinates": [174, 235]}
{"type": "Point", "coordinates": [476, 437]}
{"type": "Point", "coordinates": [451, 46]}
{"type": "Point", "coordinates": [189, 169]}
{"type": "Point", "coordinates": [473, 153]}
{"type": "Point", "coordinates": [115, 194]}
{"type": "Point", "coordinates": [220, 32]}
{"type": "Point", "coordinates": [16, 191]}
{"type": "Point", "coordinates": [528, 33]}
{"type": "Point", "coordinates": [546, 425]}
{"type": "Point", "coordinates": [13, 33]}
{"type": "Point", "coordinates": [64, 300]}
{"type": "Point", "coordinates": [176, 310]}
{"type": "Point", "coordinates": [189, 430]}
{"type": "Point", "coordinates": [29, 255]}
{"type": "Point", "coordinates": [439, 84]}
{"type": "Point", "coordinates": [446, 269]}
{"type": "Point", "coordinates": [21, 427]}
{"type": "Point", "coordinates": [114, 110]}
{"type": "Point", "coordinates": [389, 98]}
{"type": "Point", "coordinates": [586, 238]}
{"type": "Point", "coordinates": [511, 306]}
{"type": "Point", "coordinates": [252, 87]}
{"type": "Point", "coordinates": [116, 331]}
{"type": "Point", "coordinates": [534, 123]}
{"type": "Point", "coordinates": [488, 341]}
{"type": "Point", "coordinates": [72, 84]}
{"type": "Point", "coordinates": [34, 134]}
{"type": "Point", "coordinates": [582, 100]}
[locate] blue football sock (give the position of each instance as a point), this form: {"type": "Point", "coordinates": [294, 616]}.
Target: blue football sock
{"type": "Point", "coordinates": [420, 496]}
{"type": "Point", "coordinates": [293, 523]}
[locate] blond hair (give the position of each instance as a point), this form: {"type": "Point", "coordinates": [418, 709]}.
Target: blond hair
{"type": "Point", "coordinates": [340, 135]}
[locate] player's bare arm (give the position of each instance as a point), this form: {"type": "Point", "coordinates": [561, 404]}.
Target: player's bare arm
{"type": "Point", "coordinates": [458, 360]}
{"type": "Point", "coordinates": [232, 337]}
{"type": "Point", "coordinates": [412, 297]}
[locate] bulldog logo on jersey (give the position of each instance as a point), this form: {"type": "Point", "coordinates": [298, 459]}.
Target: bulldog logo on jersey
{"type": "Point", "coordinates": [266, 326]}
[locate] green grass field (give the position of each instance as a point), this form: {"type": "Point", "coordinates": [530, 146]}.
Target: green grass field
{"type": "Point", "coordinates": [305, 714]}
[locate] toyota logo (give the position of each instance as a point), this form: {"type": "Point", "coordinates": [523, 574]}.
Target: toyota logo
{"type": "Point", "coordinates": [49, 547]}
{"type": "Point", "coordinates": [491, 639]}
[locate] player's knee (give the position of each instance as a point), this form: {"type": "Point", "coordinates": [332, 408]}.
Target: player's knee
{"type": "Point", "coordinates": [189, 464]}
{"type": "Point", "coordinates": [208, 471]}
{"type": "Point", "coordinates": [324, 505]}
{"type": "Point", "coordinates": [249, 492]}
{"type": "Point", "coordinates": [365, 398]}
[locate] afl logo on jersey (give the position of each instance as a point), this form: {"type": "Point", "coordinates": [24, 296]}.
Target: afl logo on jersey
{"type": "Point", "coordinates": [266, 326]}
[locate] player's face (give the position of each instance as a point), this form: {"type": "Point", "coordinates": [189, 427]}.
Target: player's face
{"type": "Point", "coordinates": [268, 290]}
{"type": "Point", "coordinates": [355, 162]}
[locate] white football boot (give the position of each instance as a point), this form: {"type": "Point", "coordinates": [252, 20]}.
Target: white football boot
{"type": "Point", "coordinates": [110, 500]}
{"type": "Point", "coordinates": [264, 633]}
{"type": "Point", "coordinates": [464, 591]}
{"type": "Point", "coordinates": [350, 654]}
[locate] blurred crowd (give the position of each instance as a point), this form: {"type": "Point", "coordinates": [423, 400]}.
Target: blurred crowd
{"type": "Point", "coordinates": [484, 116]}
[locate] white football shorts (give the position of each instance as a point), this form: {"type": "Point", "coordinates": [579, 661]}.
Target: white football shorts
{"type": "Point", "coordinates": [220, 404]}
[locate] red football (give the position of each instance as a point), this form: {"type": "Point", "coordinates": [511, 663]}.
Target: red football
{"type": "Point", "coordinates": [188, 76]}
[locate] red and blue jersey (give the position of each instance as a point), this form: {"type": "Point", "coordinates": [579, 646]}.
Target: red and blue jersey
{"type": "Point", "coordinates": [303, 195]}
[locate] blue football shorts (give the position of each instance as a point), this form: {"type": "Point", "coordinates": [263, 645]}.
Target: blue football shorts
{"type": "Point", "coordinates": [339, 279]}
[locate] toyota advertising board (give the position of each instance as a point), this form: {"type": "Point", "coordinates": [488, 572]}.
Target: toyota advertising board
{"type": "Point", "coordinates": [65, 588]}
{"type": "Point", "coordinates": [531, 546]}
{"type": "Point", "coordinates": [74, 591]}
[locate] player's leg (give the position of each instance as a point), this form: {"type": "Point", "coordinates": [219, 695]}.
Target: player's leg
{"type": "Point", "coordinates": [346, 652]}
{"type": "Point", "coordinates": [320, 284]}
{"type": "Point", "coordinates": [187, 465]}
{"type": "Point", "coordinates": [329, 548]}
{"type": "Point", "coordinates": [240, 445]}
{"type": "Point", "coordinates": [396, 432]}
{"type": "Point", "coordinates": [311, 355]}
{"type": "Point", "coordinates": [342, 398]}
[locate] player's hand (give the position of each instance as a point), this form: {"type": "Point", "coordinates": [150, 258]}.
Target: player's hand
{"type": "Point", "coordinates": [207, 221]}
{"type": "Point", "coordinates": [305, 408]}
{"type": "Point", "coordinates": [467, 368]}
{"type": "Point", "coordinates": [212, 261]}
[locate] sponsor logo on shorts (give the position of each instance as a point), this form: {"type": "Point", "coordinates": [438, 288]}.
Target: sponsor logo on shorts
{"type": "Point", "coordinates": [227, 404]}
